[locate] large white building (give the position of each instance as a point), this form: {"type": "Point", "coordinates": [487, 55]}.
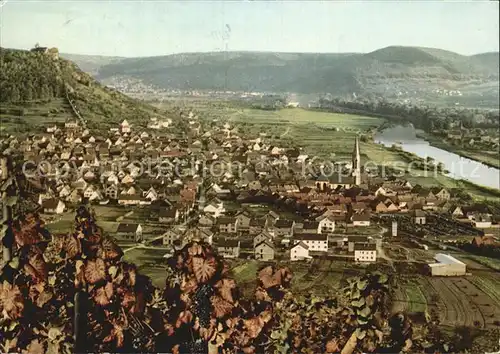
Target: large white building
{"type": "Point", "coordinates": [315, 242]}
{"type": "Point", "coordinates": [365, 252]}
{"type": "Point", "coordinates": [447, 266]}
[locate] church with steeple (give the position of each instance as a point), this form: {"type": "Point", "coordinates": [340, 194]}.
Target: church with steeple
{"type": "Point", "coordinates": [356, 163]}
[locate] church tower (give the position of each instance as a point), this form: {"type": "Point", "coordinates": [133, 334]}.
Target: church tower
{"type": "Point", "coordinates": [356, 163]}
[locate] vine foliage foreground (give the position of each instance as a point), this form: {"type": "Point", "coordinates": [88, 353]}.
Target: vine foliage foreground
{"type": "Point", "coordinates": [57, 285]}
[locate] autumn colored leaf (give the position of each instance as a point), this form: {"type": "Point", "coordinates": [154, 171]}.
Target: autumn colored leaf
{"type": "Point", "coordinates": [35, 290]}
{"type": "Point", "coordinates": [249, 350]}
{"type": "Point", "coordinates": [270, 279]}
{"type": "Point", "coordinates": [94, 236]}
{"type": "Point", "coordinates": [189, 285]}
{"type": "Point", "coordinates": [262, 295]}
{"type": "Point", "coordinates": [266, 271]}
{"type": "Point", "coordinates": [95, 271]}
{"type": "Point", "coordinates": [43, 298]}
{"type": "Point", "coordinates": [283, 275]}
{"type": "Point", "coordinates": [72, 246]}
{"type": "Point", "coordinates": [37, 268]}
{"type": "Point", "coordinates": [79, 273]}
{"type": "Point", "coordinates": [184, 317]}
{"type": "Point", "coordinates": [350, 345]}
{"type": "Point", "coordinates": [254, 326]}
{"type": "Point", "coordinates": [195, 250]}
{"type": "Point", "coordinates": [267, 278]}
{"type": "Point", "coordinates": [131, 271]}
{"type": "Point", "coordinates": [225, 287]}
{"type": "Point", "coordinates": [116, 334]}
{"type": "Point", "coordinates": [332, 346]}
{"type": "Point", "coordinates": [103, 294]}
{"type": "Point", "coordinates": [109, 250]}
{"type": "Point", "coordinates": [26, 232]}
{"type": "Point", "coordinates": [221, 307]}
{"type": "Point", "coordinates": [129, 299]}
{"type": "Point", "coordinates": [203, 269]}
{"type": "Point", "coordinates": [176, 349]}
{"type": "Point", "coordinates": [35, 347]}
{"type": "Point", "coordinates": [11, 300]}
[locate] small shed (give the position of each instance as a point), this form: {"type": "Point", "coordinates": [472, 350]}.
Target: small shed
{"type": "Point", "coordinates": [447, 266]}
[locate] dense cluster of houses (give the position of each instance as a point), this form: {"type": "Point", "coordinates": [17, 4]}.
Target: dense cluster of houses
{"type": "Point", "coordinates": [190, 179]}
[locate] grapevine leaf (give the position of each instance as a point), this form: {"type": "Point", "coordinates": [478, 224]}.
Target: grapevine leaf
{"type": "Point", "coordinates": [195, 250]}
{"type": "Point", "coordinates": [221, 306]}
{"type": "Point", "coordinates": [11, 300]}
{"type": "Point", "coordinates": [72, 246]}
{"type": "Point", "coordinates": [332, 346]}
{"type": "Point", "coordinates": [37, 268]}
{"type": "Point", "coordinates": [95, 271]}
{"type": "Point", "coordinates": [383, 278]}
{"type": "Point", "coordinates": [365, 311]}
{"type": "Point", "coordinates": [350, 345]}
{"type": "Point", "coordinates": [225, 287]}
{"type": "Point", "coordinates": [14, 263]}
{"type": "Point", "coordinates": [358, 303]}
{"type": "Point", "coordinates": [203, 269]}
{"type": "Point", "coordinates": [43, 298]}
{"type": "Point", "coordinates": [362, 284]}
{"type": "Point", "coordinates": [360, 334]}
{"type": "Point", "coordinates": [35, 347]}
{"type": "Point", "coordinates": [109, 250]}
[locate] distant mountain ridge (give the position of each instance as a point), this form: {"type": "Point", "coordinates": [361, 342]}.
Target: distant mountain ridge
{"type": "Point", "coordinates": [392, 68]}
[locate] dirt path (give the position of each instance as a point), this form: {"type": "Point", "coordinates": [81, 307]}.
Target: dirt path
{"type": "Point", "coordinates": [380, 250]}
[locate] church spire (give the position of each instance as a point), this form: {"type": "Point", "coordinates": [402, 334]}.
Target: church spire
{"type": "Point", "coordinates": [356, 163]}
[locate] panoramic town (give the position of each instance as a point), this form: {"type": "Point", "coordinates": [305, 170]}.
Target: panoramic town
{"type": "Point", "coordinates": [236, 202]}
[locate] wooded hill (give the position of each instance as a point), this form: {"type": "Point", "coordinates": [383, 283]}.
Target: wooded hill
{"type": "Point", "coordinates": [29, 79]}
{"type": "Point", "coordinates": [385, 71]}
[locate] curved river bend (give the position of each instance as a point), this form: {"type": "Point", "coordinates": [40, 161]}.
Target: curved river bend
{"type": "Point", "coordinates": [458, 166]}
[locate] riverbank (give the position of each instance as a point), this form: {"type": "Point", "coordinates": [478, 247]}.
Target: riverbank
{"type": "Point", "coordinates": [429, 180]}
{"type": "Point", "coordinates": [485, 159]}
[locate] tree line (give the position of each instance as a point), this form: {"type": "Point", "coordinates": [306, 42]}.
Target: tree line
{"type": "Point", "coordinates": [29, 76]}
{"type": "Point", "coordinates": [423, 117]}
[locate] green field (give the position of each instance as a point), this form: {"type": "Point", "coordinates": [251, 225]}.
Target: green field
{"type": "Point", "coordinates": [150, 262]}
{"type": "Point", "coordinates": [319, 133]}
{"type": "Point", "coordinates": [416, 299]}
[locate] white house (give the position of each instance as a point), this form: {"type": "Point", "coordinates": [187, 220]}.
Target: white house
{"type": "Point", "coordinates": [263, 236]}
{"type": "Point", "coordinates": [481, 221]}
{"type": "Point", "coordinates": [151, 194]}
{"type": "Point", "coordinates": [124, 127]}
{"type": "Point", "coordinates": [215, 208]}
{"type": "Point", "coordinates": [169, 237]}
{"type": "Point", "coordinates": [327, 225]}
{"type": "Point", "coordinates": [217, 189]}
{"type": "Point", "coordinates": [315, 242]}
{"type": "Point", "coordinates": [129, 232]}
{"type": "Point", "coordinates": [361, 219]}
{"type": "Point", "coordinates": [89, 191]}
{"type": "Point", "coordinates": [365, 252]}
{"type": "Point", "coordinates": [299, 251]}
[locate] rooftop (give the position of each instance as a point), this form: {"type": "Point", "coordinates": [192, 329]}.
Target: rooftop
{"type": "Point", "coordinates": [445, 259]}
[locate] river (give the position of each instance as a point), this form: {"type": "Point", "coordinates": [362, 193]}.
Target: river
{"type": "Point", "coordinates": [459, 167]}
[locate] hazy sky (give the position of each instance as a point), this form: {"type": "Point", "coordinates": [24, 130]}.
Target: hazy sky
{"type": "Point", "coordinates": [144, 28]}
